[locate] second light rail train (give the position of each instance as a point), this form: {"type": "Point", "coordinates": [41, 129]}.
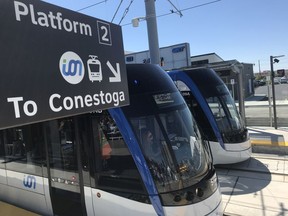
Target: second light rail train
{"type": "Point", "coordinates": [216, 113]}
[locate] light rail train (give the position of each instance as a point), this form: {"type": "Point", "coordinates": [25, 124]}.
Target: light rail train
{"type": "Point", "coordinates": [216, 114]}
{"type": "Point", "coordinates": [144, 159]}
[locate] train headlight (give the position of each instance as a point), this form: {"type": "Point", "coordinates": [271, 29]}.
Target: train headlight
{"type": "Point", "coordinates": [214, 182]}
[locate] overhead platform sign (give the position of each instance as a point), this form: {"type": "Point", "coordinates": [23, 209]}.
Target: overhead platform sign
{"type": "Point", "coordinates": [56, 63]}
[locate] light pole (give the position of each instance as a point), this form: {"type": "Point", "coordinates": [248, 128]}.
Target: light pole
{"type": "Point", "coordinates": [273, 59]}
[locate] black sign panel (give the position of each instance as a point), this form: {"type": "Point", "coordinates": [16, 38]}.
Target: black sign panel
{"type": "Point", "coordinates": [56, 62]}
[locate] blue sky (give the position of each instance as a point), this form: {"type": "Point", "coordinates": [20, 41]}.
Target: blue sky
{"type": "Point", "coordinates": [246, 30]}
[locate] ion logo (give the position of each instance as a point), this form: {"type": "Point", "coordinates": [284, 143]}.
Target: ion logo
{"type": "Point", "coordinates": [71, 67]}
{"type": "Point", "coordinates": [178, 49]}
{"type": "Point", "coordinates": [29, 181]}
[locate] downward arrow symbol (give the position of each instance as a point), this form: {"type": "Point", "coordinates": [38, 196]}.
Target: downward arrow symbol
{"type": "Point", "coordinates": [117, 77]}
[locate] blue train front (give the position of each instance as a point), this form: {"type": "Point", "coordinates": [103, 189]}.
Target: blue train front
{"type": "Point", "coordinates": [147, 158]}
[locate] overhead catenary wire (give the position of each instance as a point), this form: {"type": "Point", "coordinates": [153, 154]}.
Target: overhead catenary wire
{"type": "Point", "coordinates": [117, 10]}
{"type": "Point", "coordinates": [177, 10]}
{"type": "Point", "coordinates": [185, 9]}
{"type": "Point", "coordinates": [126, 11]}
{"type": "Point", "coordinates": [189, 8]}
{"type": "Point", "coordinates": [104, 1]}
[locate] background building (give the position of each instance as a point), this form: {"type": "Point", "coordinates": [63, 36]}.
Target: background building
{"type": "Point", "coordinates": [171, 57]}
{"type": "Point", "coordinates": [237, 76]}
{"type": "Point", "coordinates": [232, 72]}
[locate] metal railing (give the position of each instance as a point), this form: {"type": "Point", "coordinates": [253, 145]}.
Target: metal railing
{"type": "Point", "coordinates": [260, 113]}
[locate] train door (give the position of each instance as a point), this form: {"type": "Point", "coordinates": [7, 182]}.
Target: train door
{"type": "Point", "coordinates": [64, 169]}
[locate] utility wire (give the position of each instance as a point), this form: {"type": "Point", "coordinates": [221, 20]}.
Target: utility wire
{"type": "Point", "coordinates": [189, 8]}
{"type": "Point", "coordinates": [116, 11]}
{"type": "Point", "coordinates": [104, 1]}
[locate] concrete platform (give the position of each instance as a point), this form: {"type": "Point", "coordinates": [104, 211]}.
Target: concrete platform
{"type": "Point", "coordinates": [269, 140]}
{"type": "Point", "coordinates": [258, 186]}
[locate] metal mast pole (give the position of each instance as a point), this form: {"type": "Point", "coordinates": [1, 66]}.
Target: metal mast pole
{"type": "Point", "coordinates": [152, 31]}
{"type": "Point", "coordinates": [273, 92]}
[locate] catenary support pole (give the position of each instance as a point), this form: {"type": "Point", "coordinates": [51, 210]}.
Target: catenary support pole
{"type": "Point", "coordinates": [152, 31]}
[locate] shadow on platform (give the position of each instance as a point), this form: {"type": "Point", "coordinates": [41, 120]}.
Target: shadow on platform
{"type": "Point", "coordinates": [236, 179]}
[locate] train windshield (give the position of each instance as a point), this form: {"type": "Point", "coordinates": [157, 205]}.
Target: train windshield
{"type": "Point", "coordinates": [224, 110]}
{"type": "Point", "coordinates": [170, 140]}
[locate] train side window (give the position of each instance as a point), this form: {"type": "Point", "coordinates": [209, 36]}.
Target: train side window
{"type": "Point", "coordinates": [117, 172]}
{"type": "Point", "coordinates": [24, 148]}
{"type": "Point", "coordinates": [86, 139]}
{"type": "Point", "coordinates": [62, 150]}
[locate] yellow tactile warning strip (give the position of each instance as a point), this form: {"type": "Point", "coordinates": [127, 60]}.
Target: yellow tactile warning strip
{"type": "Point", "coordinates": [269, 136]}
{"type": "Point", "coordinates": [269, 142]}
{"type": "Point", "coordinates": [10, 210]}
